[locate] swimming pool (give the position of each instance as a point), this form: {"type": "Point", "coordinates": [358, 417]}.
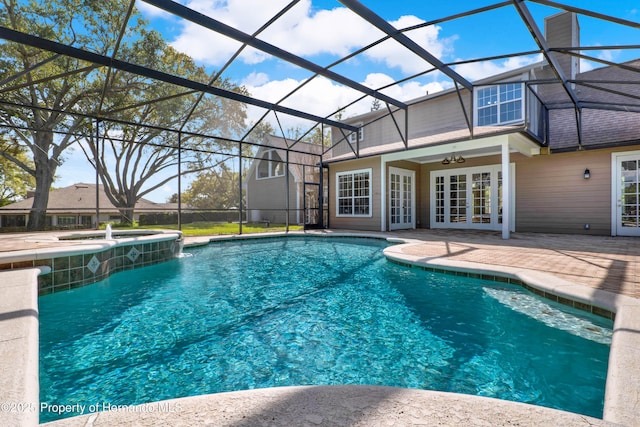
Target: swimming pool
{"type": "Point", "coordinates": [293, 311]}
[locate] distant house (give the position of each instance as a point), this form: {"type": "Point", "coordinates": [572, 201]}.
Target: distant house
{"type": "Point", "coordinates": [515, 153]}
{"type": "Point", "coordinates": [268, 183]}
{"type": "Point", "coordinates": [75, 207]}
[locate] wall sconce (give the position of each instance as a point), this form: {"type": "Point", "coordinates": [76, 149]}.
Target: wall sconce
{"type": "Point", "coordinates": [587, 173]}
{"type": "Point", "coordinates": [459, 159]}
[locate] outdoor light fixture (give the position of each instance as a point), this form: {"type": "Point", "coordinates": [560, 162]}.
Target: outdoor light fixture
{"type": "Point", "coordinates": [587, 173]}
{"type": "Point", "coordinates": [460, 159]}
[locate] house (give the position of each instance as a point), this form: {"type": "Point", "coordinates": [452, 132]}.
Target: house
{"type": "Point", "coordinates": [75, 207]}
{"type": "Point", "coordinates": [523, 151]}
{"type": "Point", "coordinates": [269, 181]}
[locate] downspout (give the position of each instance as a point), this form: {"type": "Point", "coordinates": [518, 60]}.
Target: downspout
{"type": "Point", "coordinates": [97, 176]}
{"type": "Point", "coordinates": [288, 176]}
{"type": "Point", "coordinates": [180, 181]}
{"type": "Point", "coordinates": [240, 187]}
{"type": "Point", "coordinates": [383, 194]}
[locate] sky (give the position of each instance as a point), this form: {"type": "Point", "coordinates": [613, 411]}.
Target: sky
{"type": "Point", "coordinates": [324, 31]}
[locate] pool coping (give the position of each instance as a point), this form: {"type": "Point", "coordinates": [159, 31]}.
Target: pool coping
{"type": "Point", "coordinates": [623, 374]}
{"type": "Point", "coordinates": [19, 332]}
{"type": "Point", "coordinates": [19, 327]}
{"type": "Point", "coordinates": [19, 346]}
{"type": "Point", "coordinates": [341, 405]}
{"type": "Point", "coordinates": [78, 246]}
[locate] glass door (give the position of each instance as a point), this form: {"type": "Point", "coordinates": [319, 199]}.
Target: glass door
{"type": "Point", "coordinates": [627, 191]}
{"type": "Point", "coordinates": [467, 198]}
{"type": "Point", "coordinates": [401, 199]}
{"type": "Point", "coordinates": [481, 198]}
{"type": "Point", "coordinates": [458, 198]}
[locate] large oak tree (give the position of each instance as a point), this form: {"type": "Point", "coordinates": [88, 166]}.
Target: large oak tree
{"type": "Point", "coordinates": [14, 181]}
{"type": "Point", "coordinates": [134, 161]}
{"type": "Point", "coordinates": [40, 89]}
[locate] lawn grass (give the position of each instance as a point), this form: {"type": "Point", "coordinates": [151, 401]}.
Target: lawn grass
{"type": "Point", "coordinates": [204, 228]}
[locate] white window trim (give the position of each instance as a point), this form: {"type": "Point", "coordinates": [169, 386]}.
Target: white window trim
{"type": "Point", "coordinates": [261, 159]}
{"type": "Point", "coordinates": [499, 123]}
{"type": "Point", "coordinates": [353, 136]}
{"type": "Point", "coordinates": [353, 172]}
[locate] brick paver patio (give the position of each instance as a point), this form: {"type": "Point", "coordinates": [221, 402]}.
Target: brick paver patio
{"type": "Point", "coordinates": [602, 262]}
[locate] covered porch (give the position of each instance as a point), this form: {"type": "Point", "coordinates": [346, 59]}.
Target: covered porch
{"type": "Point", "coordinates": [463, 184]}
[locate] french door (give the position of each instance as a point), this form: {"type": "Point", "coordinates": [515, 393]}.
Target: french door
{"type": "Point", "coordinates": [468, 198]}
{"type": "Point", "coordinates": [402, 205]}
{"type": "Point", "coordinates": [626, 194]}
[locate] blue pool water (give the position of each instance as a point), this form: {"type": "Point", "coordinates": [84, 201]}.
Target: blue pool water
{"type": "Point", "coordinates": [299, 311]}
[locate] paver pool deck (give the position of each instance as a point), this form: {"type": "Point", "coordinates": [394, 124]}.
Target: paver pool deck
{"type": "Point", "coordinates": [600, 268]}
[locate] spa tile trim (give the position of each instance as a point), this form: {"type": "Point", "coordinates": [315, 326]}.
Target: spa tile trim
{"type": "Point", "coordinates": [74, 271]}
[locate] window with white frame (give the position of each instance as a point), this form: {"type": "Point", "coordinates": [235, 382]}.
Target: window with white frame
{"type": "Point", "coordinates": [500, 104]}
{"type": "Point", "coordinates": [353, 195]}
{"type": "Point", "coordinates": [270, 165]}
{"type": "Point", "coordinates": [355, 136]}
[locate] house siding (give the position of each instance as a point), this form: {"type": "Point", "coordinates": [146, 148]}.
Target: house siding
{"type": "Point", "coordinates": [267, 200]}
{"type": "Point", "coordinates": [552, 195]}
{"type": "Point", "coordinates": [425, 118]}
{"type": "Point", "coordinates": [444, 115]}
{"type": "Point", "coordinates": [357, 223]}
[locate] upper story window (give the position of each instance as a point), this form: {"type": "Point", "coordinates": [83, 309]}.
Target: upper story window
{"type": "Point", "coordinates": [270, 165]}
{"type": "Point", "coordinates": [354, 193]}
{"type": "Point", "coordinates": [354, 136]}
{"type": "Point", "coordinates": [500, 104]}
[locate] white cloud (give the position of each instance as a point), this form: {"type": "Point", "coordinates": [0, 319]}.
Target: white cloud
{"type": "Point", "coordinates": [305, 32]}
{"type": "Point", "coordinates": [319, 97]}
{"type": "Point", "coordinates": [255, 79]}
{"type": "Point", "coordinates": [403, 92]}
{"type": "Point", "coordinates": [322, 97]}
{"type": "Point", "coordinates": [479, 70]}
{"type": "Point", "coordinates": [605, 55]}
{"type": "Point", "coordinates": [395, 55]}
{"type": "Point", "coordinates": [151, 11]}
{"type": "Point", "coordinates": [207, 46]}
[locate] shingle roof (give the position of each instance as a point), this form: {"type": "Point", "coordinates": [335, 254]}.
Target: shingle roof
{"type": "Point", "coordinates": [81, 197]}
{"type": "Point", "coordinates": [600, 125]}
